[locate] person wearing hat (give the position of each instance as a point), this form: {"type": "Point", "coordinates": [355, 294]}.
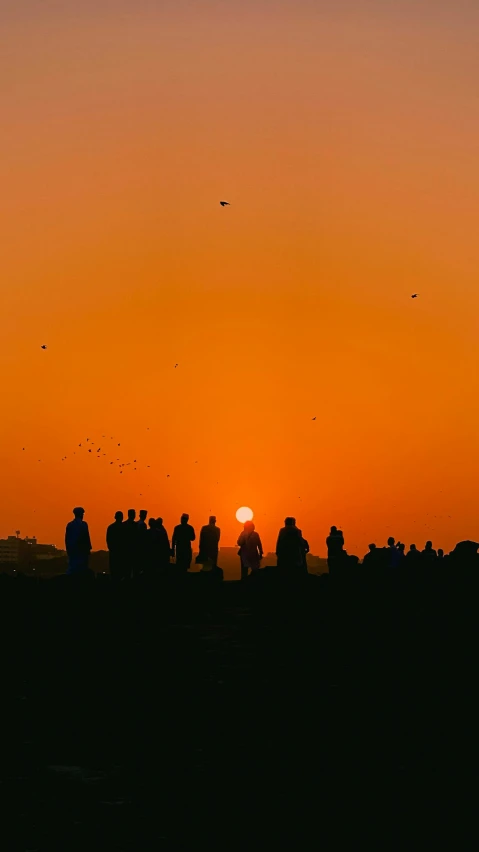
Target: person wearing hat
{"type": "Point", "coordinates": [77, 543]}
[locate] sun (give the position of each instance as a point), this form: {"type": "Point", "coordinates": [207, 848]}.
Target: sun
{"type": "Point", "coordinates": [244, 514]}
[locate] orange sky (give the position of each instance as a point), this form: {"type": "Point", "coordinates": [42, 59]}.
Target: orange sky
{"type": "Point", "coordinates": [345, 136]}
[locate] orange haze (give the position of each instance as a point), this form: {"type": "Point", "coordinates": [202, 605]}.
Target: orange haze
{"type": "Point", "coordinates": [345, 136]}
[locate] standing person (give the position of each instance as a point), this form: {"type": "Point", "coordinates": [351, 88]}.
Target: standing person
{"type": "Point", "coordinates": [371, 556]}
{"type": "Point", "coordinates": [209, 544]}
{"type": "Point", "coordinates": [164, 545]}
{"type": "Point", "coordinates": [152, 548]}
{"type": "Point", "coordinates": [250, 550]}
{"type": "Point", "coordinates": [413, 556]}
{"type": "Point", "coordinates": [130, 545]}
{"type": "Point", "coordinates": [291, 548]}
{"type": "Point", "coordinates": [335, 544]}
{"type": "Point", "coordinates": [429, 555]}
{"type": "Point", "coordinates": [392, 553]}
{"type": "Point", "coordinates": [142, 539]}
{"type": "Point", "coordinates": [77, 543]}
{"type": "Point", "coordinates": [183, 535]}
{"type": "Point", "coordinates": [114, 543]}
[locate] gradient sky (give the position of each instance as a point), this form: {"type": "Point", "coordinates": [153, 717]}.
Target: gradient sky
{"type": "Point", "coordinates": [345, 136]}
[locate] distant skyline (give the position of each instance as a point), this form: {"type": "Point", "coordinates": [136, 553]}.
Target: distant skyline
{"type": "Point", "coordinates": [344, 135]}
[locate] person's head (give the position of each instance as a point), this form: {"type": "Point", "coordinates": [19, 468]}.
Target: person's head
{"type": "Point", "coordinates": [152, 523]}
{"type": "Point", "coordinates": [185, 518]}
{"type": "Point", "coordinates": [131, 514]}
{"type": "Point", "coordinates": [78, 512]}
{"type": "Point", "coordinates": [412, 547]}
{"type": "Point", "coordinates": [428, 545]}
{"type": "Point", "coordinates": [334, 530]}
{"type": "Point", "coordinates": [118, 517]}
{"type": "Point", "coordinates": [290, 522]}
{"type": "Point", "coordinates": [213, 519]}
{"type": "Point", "coordinates": [159, 522]}
{"type": "Point", "coordinates": [249, 526]}
{"type": "Point", "coordinates": [372, 547]}
{"type": "Point", "coordinates": [143, 514]}
{"type": "Point", "coordinates": [390, 541]}
{"type": "Point", "coordinates": [440, 553]}
{"type": "Point", "coordinates": [339, 532]}
{"type": "Point", "coordinates": [401, 547]}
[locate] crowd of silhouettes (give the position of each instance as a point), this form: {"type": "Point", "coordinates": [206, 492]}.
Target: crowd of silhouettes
{"type": "Point", "coordinates": [141, 547]}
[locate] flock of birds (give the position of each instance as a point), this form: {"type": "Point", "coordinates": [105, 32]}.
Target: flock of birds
{"type": "Point", "coordinates": [122, 465]}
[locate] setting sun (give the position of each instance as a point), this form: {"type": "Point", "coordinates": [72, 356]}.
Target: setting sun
{"type": "Point", "coordinates": [244, 514]}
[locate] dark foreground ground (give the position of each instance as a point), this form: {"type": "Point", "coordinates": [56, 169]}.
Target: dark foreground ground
{"type": "Point", "coordinates": [335, 715]}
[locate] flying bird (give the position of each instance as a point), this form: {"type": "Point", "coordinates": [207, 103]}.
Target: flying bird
{"type": "Point", "coordinates": [43, 346]}
{"type": "Point", "coordinates": [414, 295]}
{"type": "Point", "coordinates": [225, 204]}
{"type": "Point", "coordinates": [176, 366]}
{"type": "Point", "coordinates": [313, 418]}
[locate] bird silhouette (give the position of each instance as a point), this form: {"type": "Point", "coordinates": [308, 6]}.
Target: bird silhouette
{"type": "Point", "coordinates": [313, 418]}
{"type": "Point", "coordinates": [225, 203]}
{"type": "Point", "coordinates": [176, 366]}
{"type": "Point", "coordinates": [414, 295]}
{"type": "Point", "coordinates": [43, 346]}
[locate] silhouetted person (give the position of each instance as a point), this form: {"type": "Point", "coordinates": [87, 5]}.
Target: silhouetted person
{"type": "Point", "coordinates": [77, 543]}
{"type": "Point", "coordinates": [183, 535]}
{"type": "Point", "coordinates": [114, 543]}
{"type": "Point", "coordinates": [250, 550]}
{"type": "Point", "coordinates": [142, 540]}
{"type": "Point", "coordinates": [392, 553]}
{"type": "Point", "coordinates": [130, 543]}
{"type": "Point", "coordinates": [413, 556]}
{"type": "Point", "coordinates": [440, 553]}
{"type": "Point", "coordinates": [164, 545]}
{"type": "Point", "coordinates": [335, 544]}
{"type": "Point", "coordinates": [152, 548]}
{"type": "Point", "coordinates": [290, 548]}
{"type": "Point", "coordinates": [209, 543]}
{"type": "Point", "coordinates": [372, 558]}
{"type": "Point", "coordinates": [429, 555]}
{"type": "Point", "coordinates": [401, 554]}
